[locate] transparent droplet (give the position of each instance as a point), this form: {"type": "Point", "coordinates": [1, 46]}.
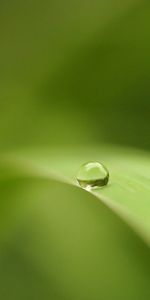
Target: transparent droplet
{"type": "Point", "coordinates": [92, 175]}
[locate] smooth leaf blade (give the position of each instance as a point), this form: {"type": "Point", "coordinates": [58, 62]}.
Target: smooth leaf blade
{"type": "Point", "coordinates": [128, 191]}
{"type": "Point", "coordinates": [65, 244]}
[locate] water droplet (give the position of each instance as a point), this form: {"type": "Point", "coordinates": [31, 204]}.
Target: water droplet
{"type": "Point", "coordinates": [92, 175]}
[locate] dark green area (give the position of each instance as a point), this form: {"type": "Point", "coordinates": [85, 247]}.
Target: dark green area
{"type": "Point", "coordinates": [74, 72]}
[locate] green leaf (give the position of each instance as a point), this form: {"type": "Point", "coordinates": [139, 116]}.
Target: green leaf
{"type": "Point", "coordinates": [60, 242]}
{"type": "Point", "coordinates": [128, 191]}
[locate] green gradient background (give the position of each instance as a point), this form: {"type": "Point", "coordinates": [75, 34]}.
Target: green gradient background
{"type": "Point", "coordinates": [72, 73]}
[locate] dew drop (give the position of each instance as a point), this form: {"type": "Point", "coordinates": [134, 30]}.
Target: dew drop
{"type": "Point", "coordinates": [92, 175]}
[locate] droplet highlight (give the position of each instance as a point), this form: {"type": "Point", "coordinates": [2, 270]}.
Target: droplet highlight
{"type": "Point", "coordinates": [92, 175]}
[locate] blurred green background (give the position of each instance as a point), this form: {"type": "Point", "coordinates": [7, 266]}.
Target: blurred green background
{"type": "Point", "coordinates": [74, 72]}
